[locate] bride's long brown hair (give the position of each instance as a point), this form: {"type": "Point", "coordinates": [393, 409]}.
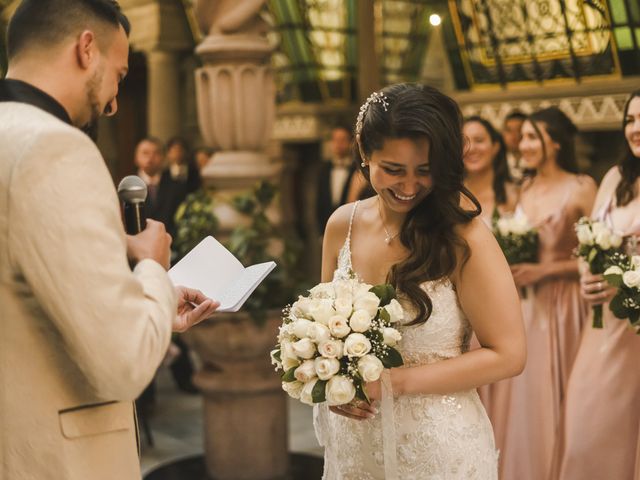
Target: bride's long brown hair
{"type": "Point", "coordinates": [429, 231]}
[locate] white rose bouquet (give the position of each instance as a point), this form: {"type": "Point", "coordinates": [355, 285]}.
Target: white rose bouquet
{"type": "Point", "coordinates": [517, 239]}
{"type": "Point", "coordinates": [597, 244]}
{"type": "Point", "coordinates": [336, 339]}
{"type": "Point", "coordinates": [624, 274]}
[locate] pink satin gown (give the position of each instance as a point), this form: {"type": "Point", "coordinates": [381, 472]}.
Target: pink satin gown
{"type": "Point", "coordinates": [601, 425]}
{"type": "Point", "coordinates": [554, 316]}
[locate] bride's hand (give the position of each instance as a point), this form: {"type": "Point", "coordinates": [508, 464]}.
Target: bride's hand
{"type": "Point", "coordinates": [356, 409]}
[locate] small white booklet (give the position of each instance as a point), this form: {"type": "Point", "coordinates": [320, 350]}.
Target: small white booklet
{"type": "Point", "coordinates": [217, 273]}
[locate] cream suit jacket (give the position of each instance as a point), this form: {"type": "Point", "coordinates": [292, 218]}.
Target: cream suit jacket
{"type": "Point", "coordinates": [80, 334]}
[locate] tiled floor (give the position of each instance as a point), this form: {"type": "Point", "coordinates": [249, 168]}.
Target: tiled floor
{"type": "Point", "coordinates": [177, 426]}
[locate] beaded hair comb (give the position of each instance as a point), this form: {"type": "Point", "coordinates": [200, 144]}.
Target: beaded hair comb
{"type": "Point", "coordinates": [375, 97]}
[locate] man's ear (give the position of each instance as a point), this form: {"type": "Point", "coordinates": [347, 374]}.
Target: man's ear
{"type": "Point", "coordinates": [86, 48]}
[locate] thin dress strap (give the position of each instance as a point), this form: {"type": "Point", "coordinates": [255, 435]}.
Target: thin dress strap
{"type": "Point", "coordinates": [344, 268]}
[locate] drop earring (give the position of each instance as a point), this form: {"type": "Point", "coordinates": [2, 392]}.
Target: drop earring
{"type": "Point", "coordinates": [363, 165]}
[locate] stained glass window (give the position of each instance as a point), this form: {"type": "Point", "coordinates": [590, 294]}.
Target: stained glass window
{"type": "Point", "coordinates": [511, 41]}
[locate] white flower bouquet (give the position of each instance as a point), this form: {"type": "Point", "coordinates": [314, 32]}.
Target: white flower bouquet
{"type": "Point", "coordinates": [597, 244]}
{"type": "Point", "coordinates": [517, 239]}
{"type": "Point", "coordinates": [624, 274]}
{"type": "Point", "coordinates": [336, 339]}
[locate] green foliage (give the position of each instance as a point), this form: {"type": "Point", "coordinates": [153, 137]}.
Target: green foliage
{"type": "Point", "coordinates": [318, 393]}
{"type": "Point", "coordinates": [194, 220]}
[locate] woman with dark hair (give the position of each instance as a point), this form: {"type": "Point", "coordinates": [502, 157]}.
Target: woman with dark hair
{"type": "Point", "coordinates": [552, 198]}
{"type": "Point", "coordinates": [452, 279]}
{"type": "Point", "coordinates": [600, 429]}
{"type": "Point", "coordinates": [487, 177]}
{"type": "Point", "coordinates": [486, 169]}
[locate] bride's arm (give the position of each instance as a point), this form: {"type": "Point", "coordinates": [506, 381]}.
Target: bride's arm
{"type": "Point", "coordinates": [490, 301]}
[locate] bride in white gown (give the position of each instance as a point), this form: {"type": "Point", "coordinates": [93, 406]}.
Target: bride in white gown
{"type": "Point", "coordinates": [426, 420]}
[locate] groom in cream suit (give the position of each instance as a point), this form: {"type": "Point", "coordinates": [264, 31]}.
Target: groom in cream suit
{"type": "Point", "coordinates": [81, 335]}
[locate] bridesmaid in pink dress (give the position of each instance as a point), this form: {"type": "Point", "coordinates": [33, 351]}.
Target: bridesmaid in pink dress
{"type": "Point", "coordinates": [487, 177]}
{"type": "Point", "coordinates": [602, 411]}
{"type": "Point", "coordinates": [553, 200]}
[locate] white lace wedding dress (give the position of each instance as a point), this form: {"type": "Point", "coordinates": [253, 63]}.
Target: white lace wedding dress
{"type": "Point", "coordinates": [426, 437]}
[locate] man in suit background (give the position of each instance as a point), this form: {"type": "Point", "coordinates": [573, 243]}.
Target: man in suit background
{"type": "Point", "coordinates": [334, 177]}
{"type": "Point", "coordinates": [80, 334]}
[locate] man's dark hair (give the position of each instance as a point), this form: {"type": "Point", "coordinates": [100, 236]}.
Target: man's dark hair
{"type": "Point", "coordinates": [515, 115]}
{"type": "Point", "coordinates": [47, 22]}
{"type": "Point", "coordinates": [342, 126]}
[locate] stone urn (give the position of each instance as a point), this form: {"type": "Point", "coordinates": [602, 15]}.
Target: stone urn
{"type": "Point", "coordinates": [245, 409]}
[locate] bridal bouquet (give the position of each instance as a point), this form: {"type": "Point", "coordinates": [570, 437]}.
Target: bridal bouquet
{"type": "Point", "coordinates": [517, 239]}
{"type": "Point", "coordinates": [597, 244]}
{"type": "Point", "coordinates": [336, 339]}
{"type": "Point", "coordinates": [624, 274]}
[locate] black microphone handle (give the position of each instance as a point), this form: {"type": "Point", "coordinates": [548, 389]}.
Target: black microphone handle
{"type": "Point", "coordinates": [135, 218]}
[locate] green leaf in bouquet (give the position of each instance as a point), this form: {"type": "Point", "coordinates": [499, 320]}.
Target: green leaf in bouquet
{"type": "Point", "coordinates": [385, 292]}
{"type": "Point", "coordinates": [634, 316]}
{"type": "Point", "coordinates": [277, 355]}
{"type": "Point", "coordinates": [592, 255]}
{"type": "Point", "coordinates": [617, 306]}
{"type": "Point", "coordinates": [384, 316]}
{"type": "Point", "coordinates": [361, 393]}
{"type": "Point", "coordinates": [614, 280]}
{"type": "Point", "coordinates": [318, 393]}
{"type": "Point", "coordinates": [289, 375]}
{"type": "Point", "coordinates": [392, 358]}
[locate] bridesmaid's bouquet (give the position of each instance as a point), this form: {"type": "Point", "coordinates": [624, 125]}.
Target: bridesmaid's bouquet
{"type": "Point", "coordinates": [517, 239]}
{"type": "Point", "coordinates": [597, 244]}
{"type": "Point", "coordinates": [336, 339]}
{"type": "Point", "coordinates": [624, 274]}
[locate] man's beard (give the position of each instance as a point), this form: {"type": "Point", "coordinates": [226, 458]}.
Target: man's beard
{"type": "Point", "coordinates": [93, 87]}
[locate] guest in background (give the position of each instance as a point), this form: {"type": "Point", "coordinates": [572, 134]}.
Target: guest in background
{"type": "Point", "coordinates": [511, 133]}
{"type": "Point", "coordinates": [553, 198]}
{"type": "Point", "coordinates": [182, 167]}
{"type": "Point", "coordinates": [334, 175]}
{"type": "Point", "coordinates": [487, 177]}
{"type": "Point", "coordinates": [202, 157]}
{"type": "Point", "coordinates": [601, 428]}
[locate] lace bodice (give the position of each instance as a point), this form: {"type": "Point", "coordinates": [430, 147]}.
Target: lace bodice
{"type": "Point", "coordinates": [443, 437]}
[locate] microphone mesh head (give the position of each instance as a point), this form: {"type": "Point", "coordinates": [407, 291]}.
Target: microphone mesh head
{"type": "Point", "coordinates": [132, 189]}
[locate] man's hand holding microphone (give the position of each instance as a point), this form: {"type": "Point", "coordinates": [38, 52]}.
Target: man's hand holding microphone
{"type": "Point", "coordinates": [148, 239]}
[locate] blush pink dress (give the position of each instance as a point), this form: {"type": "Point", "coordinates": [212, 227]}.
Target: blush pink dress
{"type": "Point", "coordinates": [554, 316]}
{"type": "Point", "coordinates": [601, 424]}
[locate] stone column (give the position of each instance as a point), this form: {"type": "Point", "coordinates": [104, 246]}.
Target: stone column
{"type": "Point", "coordinates": [163, 98]}
{"type": "Point", "coordinates": [245, 407]}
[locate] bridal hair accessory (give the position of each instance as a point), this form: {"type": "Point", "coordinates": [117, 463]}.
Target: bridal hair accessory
{"type": "Point", "coordinates": [375, 97]}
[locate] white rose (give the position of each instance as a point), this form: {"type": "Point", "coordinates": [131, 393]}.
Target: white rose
{"type": "Point", "coordinates": [635, 262]}
{"type": "Point", "coordinates": [370, 367]}
{"type": "Point", "coordinates": [357, 345]}
{"type": "Point", "coordinates": [603, 239]}
{"type": "Point", "coordinates": [340, 390]}
{"type": "Point", "coordinates": [391, 336]}
{"type": "Point", "coordinates": [286, 351]}
{"type": "Point", "coordinates": [344, 306]}
{"type": "Point", "coordinates": [274, 360]}
{"type": "Point", "coordinates": [614, 270]}
{"type": "Point", "coordinates": [616, 240]}
{"type": "Point", "coordinates": [395, 311]}
{"type": "Point", "coordinates": [368, 301]}
{"type": "Point", "coordinates": [305, 372]}
{"type": "Point", "coordinates": [301, 306]}
{"type": "Point", "coordinates": [503, 226]}
{"type": "Point", "coordinates": [318, 332]}
{"type": "Point", "coordinates": [331, 348]}
{"type": "Point", "coordinates": [360, 321]}
{"type": "Point", "coordinates": [305, 394]}
{"type": "Point", "coordinates": [585, 237]}
{"type": "Point", "coordinates": [293, 388]}
{"type": "Point", "coordinates": [343, 290]}
{"type": "Point", "coordinates": [359, 288]}
{"type": "Point", "coordinates": [321, 310]}
{"type": "Point", "coordinates": [323, 290]}
{"type": "Point", "coordinates": [326, 367]}
{"type": "Point", "coordinates": [519, 225]}
{"type": "Point", "coordinates": [631, 278]}
{"type": "Point", "coordinates": [339, 326]}
{"type": "Point", "coordinates": [300, 328]}
{"type": "Point", "coordinates": [304, 348]}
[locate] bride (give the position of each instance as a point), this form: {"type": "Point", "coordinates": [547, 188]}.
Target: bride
{"type": "Point", "coordinates": [426, 420]}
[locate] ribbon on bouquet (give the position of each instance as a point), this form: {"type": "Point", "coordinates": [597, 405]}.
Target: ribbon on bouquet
{"type": "Point", "coordinates": [388, 428]}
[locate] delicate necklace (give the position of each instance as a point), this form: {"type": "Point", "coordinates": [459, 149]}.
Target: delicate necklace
{"type": "Point", "coordinates": [388, 237]}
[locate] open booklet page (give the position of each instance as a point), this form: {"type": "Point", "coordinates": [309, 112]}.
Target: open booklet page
{"type": "Point", "coordinates": [214, 270]}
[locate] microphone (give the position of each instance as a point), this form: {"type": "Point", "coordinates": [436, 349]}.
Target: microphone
{"type": "Point", "coordinates": [132, 192]}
